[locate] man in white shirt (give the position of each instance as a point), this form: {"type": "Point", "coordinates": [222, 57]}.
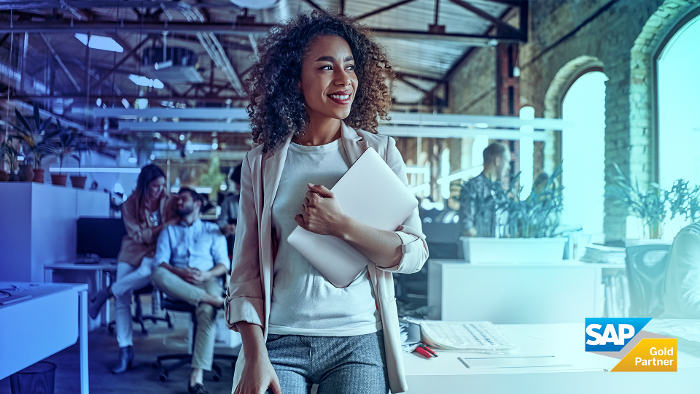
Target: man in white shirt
{"type": "Point", "coordinates": [192, 256]}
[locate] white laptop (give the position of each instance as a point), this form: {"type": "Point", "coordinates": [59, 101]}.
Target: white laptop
{"type": "Point", "coordinates": [369, 192]}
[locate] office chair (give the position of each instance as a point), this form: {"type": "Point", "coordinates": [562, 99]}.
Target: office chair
{"type": "Point", "coordinates": [185, 358]}
{"type": "Point", "coordinates": [139, 317]}
{"type": "Point", "coordinates": [646, 273]}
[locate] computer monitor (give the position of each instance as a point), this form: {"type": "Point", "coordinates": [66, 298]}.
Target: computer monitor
{"type": "Point", "coordinates": [100, 236]}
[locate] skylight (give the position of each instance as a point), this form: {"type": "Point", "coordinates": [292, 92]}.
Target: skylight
{"type": "Point", "coordinates": [100, 42]}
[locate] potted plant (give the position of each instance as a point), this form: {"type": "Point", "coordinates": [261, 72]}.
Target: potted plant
{"type": "Point", "coordinates": [34, 135]}
{"type": "Point", "coordinates": [526, 226]}
{"type": "Point", "coordinates": [9, 156]}
{"type": "Point", "coordinates": [78, 181]}
{"type": "Point", "coordinates": [683, 201]}
{"type": "Point", "coordinates": [648, 205]}
{"type": "Point", "coordinates": [60, 147]}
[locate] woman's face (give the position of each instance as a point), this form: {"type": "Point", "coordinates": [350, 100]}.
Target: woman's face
{"type": "Point", "coordinates": [328, 80]}
{"type": "Point", "coordinates": [155, 188]}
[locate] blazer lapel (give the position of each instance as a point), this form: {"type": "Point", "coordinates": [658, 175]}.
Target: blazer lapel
{"type": "Point", "coordinates": [353, 143]}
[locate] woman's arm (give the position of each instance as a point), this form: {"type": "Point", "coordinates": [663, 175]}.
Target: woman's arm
{"type": "Point", "coordinates": [244, 301]}
{"type": "Point", "coordinates": [145, 235]}
{"type": "Point", "coordinates": [258, 374]}
{"type": "Point", "coordinates": [322, 214]}
{"type": "Point", "coordinates": [401, 251]}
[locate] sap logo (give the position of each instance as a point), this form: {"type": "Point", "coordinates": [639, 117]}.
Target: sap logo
{"type": "Point", "coordinates": [611, 334]}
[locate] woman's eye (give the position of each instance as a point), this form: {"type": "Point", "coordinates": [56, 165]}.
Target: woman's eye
{"type": "Point", "coordinates": [351, 67]}
{"type": "Point", "coordinates": [326, 67]}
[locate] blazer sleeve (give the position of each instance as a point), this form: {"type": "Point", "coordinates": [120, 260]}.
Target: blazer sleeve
{"type": "Point", "coordinates": [134, 228]}
{"type": "Point", "coordinates": [413, 245]}
{"type": "Point", "coordinates": [244, 295]}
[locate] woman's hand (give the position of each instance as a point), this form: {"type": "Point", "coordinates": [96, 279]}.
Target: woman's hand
{"type": "Point", "coordinates": [321, 212]}
{"type": "Point", "coordinates": [258, 375]}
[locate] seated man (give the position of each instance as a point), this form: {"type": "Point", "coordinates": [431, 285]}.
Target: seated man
{"type": "Point", "coordinates": [192, 256]}
{"type": "Point", "coordinates": [682, 286]}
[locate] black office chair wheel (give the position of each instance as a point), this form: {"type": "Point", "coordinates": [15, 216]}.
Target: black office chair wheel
{"type": "Point", "coordinates": [156, 364]}
{"type": "Point", "coordinates": [144, 331]}
{"type": "Point", "coordinates": [216, 377]}
{"type": "Point", "coordinates": [110, 328]}
{"type": "Point", "coordinates": [163, 376]}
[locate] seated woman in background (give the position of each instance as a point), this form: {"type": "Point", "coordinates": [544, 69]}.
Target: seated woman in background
{"type": "Point", "coordinates": [146, 213]}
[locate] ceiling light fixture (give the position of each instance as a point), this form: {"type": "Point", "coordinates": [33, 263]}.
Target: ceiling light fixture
{"type": "Point", "coordinates": [99, 42]}
{"type": "Point", "coordinates": [144, 81]}
{"type": "Point", "coordinates": [256, 4]}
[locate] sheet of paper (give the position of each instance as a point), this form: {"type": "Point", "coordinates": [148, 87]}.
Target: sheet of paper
{"type": "Point", "coordinates": [512, 362]}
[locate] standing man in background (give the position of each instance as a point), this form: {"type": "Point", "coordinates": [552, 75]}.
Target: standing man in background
{"type": "Point", "coordinates": [477, 205]}
{"type": "Point", "coordinates": [229, 210]}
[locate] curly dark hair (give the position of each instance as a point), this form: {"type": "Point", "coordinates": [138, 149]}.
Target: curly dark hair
{"type": "Point", "coordinates": [277, 106]}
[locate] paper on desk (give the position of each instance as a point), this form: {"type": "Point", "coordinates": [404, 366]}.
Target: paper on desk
{"type": "Point", "coordinates": [481, 336]}
{"type": "Point", "coordinates": [512, 362]}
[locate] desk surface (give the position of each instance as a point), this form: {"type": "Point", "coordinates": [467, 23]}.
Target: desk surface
{"type": "Point", "coordinates": [563, 263]}
{"type": "Point", "coordinates": [563, 341]}
{"type": "Point", "coordinates": [22, 291]}
{"type": "Point", "coordinates": [100, 265]}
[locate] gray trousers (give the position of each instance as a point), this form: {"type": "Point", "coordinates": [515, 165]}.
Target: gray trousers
{"type": "Point", "coordinates": [176, 287]}
{"type": "Point", "coordinates": [339, 365]}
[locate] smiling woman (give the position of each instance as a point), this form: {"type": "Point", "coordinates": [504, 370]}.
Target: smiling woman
{"type": "Point", "coordinates": [277, 104]}
{"type": "Point", "coordinates": [317, 93]}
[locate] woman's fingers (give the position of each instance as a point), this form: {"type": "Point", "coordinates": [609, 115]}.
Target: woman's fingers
{"type": "Point", "coordinates": [300, 221]}
{"type": "Point", "coordinates": [320, 190]}
{"type": "Point", "coordinates": [275, 386]}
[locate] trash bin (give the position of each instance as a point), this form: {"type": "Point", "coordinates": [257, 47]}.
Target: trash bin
{"type": "Point", "coordinates": [36, 379]}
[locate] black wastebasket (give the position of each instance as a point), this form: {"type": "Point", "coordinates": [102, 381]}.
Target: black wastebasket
{"type": "Point", "coordinates": [36, 379]}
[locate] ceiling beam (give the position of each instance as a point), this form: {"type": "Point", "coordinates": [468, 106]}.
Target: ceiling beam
{"type": "Point", "coordinates": [123, 60]}
{"type": "Point", "coordinates": [232, 29]}
{"type": "Point", "coordinates": [60, 62]}
{"type": "Point", "coordinates": [485, 15]}
{"type": "Point", "coordinates": [382, 9]}
{"type": "Point", "coordinates": [107, 99]}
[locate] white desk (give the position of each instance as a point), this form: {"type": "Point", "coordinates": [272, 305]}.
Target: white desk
{"type": "Point", "coordinates": [586, 374]}
{"type": "Point", "coordinates": [53, 318]}
{"type": "Point", "coordinates": [104, 271]}
{"type": "Point", "coordinates": [565, 292]}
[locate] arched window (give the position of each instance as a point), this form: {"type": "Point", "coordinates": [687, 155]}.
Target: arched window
{"type": "Point", "coordinates": [583, 154]}
{"type": "Point", "coordinates": [678, 108]}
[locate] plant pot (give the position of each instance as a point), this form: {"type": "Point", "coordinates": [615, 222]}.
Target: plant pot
{"type": "Point", "coordinates": [78, 182]}
{"type": "Point", "coordinates": [59, 179]}
{"type": "Point", "coordinates": [14, 177]}
{"type": "Point", "coordinates": [4, 176]}
{"type": "Point", "coordinates": [26, 173]}
{"type": "Point", "coordinates": [38, 175]}
{"type": "Point", "coordinates": [479, 250]}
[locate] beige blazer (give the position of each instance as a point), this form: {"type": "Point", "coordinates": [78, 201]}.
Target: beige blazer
{"type": "Point", "coordinates": [250, 288]}
{"type": "Point", "coordinates": [141, 236]}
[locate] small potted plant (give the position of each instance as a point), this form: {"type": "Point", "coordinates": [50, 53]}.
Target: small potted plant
{"type": "Point", "coordinates": [7, 155]}
{"type": "Point", "coordinates": [61, 147]}
{"type": "Point", "coordinates": [78, 181]}
{"type": "Point", "coordinates": [34, 135]}
{"type": "Point", "coordinates": [648, 205]}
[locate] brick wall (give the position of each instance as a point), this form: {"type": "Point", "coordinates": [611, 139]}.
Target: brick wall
{"type": "Point", "coordinates": [565, 37]}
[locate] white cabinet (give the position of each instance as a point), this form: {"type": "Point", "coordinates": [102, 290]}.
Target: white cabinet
{"type": "Point", "coordinates": [38, 226]}
{"type": "Point", "coordinates": [565, 292]}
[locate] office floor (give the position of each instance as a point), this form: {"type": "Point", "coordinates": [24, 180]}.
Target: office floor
{"type": "Point", "coordinates": [103, 350]}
